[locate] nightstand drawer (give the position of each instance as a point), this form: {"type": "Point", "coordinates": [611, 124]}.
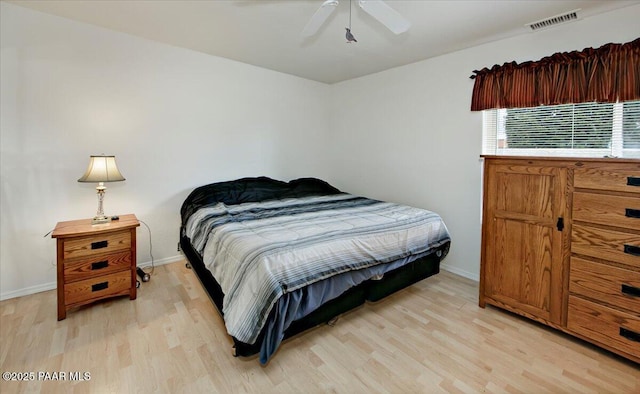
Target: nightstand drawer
{"type": "Point", "coordinates": [97, 244]}
{"type": "Point", "coordinates": [608, 210]}
{"type": "Point", "coordinates": [606, 244]}
{"type": "Point", "coordinates": [618, 179]}
{"type": "Point", "coordinates": [85, 291]}
{"type": "Point", "coordinates": [608, 326]}
{"type": "Point", "coordinates": [603, 283]}
{"type": "Point", "coordinates": [97, 266]}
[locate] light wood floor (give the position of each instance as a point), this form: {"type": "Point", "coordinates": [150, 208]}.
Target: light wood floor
{"type": "Point", "coordinates": [431, 337]}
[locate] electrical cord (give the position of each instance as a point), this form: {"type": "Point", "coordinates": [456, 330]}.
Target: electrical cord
{"type": "Point", "coordinates": [153, 267]}
{"type": "Point", "coordinates": [52, 262]}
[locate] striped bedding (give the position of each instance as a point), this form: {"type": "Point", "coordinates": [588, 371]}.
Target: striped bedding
{"type": "Point", "coordinates": [258, 251]}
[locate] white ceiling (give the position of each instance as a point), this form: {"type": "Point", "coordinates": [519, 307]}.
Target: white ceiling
{"type": "Point", "coordinates": [266, 33]}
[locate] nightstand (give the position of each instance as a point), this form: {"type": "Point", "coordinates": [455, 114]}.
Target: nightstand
{"type": "Point", "coordinates": [95, 261]}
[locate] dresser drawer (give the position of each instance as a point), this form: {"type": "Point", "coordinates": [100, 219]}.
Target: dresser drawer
{"type": "Point", "coordinates": [608, 178]}
{"type": "Point", "coordinates": [615, 286]}
{"type": "Point", "coordinates": [609, 210]}
{"type": "Point", "coordinates": [607, 244]}
{"type": "Point", "coordinates": [89, 290]}
{"type": "Point", "coordinates": [616, 329]}
{"type": "Point", "coordinates": [96, 244]}
{"type": "Point", "coordinates": [97, 266]}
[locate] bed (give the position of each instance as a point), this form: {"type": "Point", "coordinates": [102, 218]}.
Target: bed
{"type": "Point", "coordinates": [278, 258]}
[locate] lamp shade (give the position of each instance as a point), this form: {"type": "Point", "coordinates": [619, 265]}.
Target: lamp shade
{"type": "Point", "coordinates": [102, 169]}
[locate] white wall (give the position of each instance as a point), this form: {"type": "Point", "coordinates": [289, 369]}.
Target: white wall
{"type": "Point", "coordinates": [407, 134]}
{"type": "Point", "coordinates": [174, 119]}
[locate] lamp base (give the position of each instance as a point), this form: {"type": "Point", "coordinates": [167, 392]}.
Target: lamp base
{"type": "Point", "coordinates": [100, 220]}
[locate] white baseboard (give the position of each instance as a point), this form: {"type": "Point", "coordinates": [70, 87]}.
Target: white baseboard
{"type": "Point", "coordinates": [27, 291]}
{"type": "Point", "coordinates": [166, 260]}
{"type": "Point", "coordinates": [458, 271]}
{"type": "Point", "coordinates": [52, 285]}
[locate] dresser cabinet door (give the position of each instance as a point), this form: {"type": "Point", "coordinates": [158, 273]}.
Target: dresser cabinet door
{"type": "Point", "coordinates": [524, 214]}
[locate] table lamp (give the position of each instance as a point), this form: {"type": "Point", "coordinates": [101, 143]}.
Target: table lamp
{"type": "Point", "coordinates": [101, 169]}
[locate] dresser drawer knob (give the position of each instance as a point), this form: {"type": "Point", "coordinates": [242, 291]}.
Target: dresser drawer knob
{"type": "Point", "coordinates": [632, 250]}
{"type": "Point", "coordinates": [99, 244]}
{"type": "Point", "coordinates": [630, 290]}
{"type": "Point", "coordinates": [98, 265]}
{"type": "Point", "coordinates": [630, 335]}
{"type": "Point", "coordinates": [632, 213]}
{"type": "Point", "coordinates": [100, 286]}
{"type": "Point", "coordinates": [633, 181]}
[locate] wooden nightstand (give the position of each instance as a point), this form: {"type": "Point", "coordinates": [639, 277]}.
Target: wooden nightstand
{"type": "Point", "coordinates": [95, 261]}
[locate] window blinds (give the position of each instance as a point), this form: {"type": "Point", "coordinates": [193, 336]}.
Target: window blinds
{"type": "Point", "coordinates": [578, 130]}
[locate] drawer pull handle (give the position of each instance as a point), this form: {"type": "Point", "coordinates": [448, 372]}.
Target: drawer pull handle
{"type": "Point", "coordinates": [632, 213]}
{"type": "Point", "coordinates": [100, 286]}
{"type": "Point", "coordinates": [98, 265]}
{"type": "Point", "coordinates": [633, 181]}
{"type": "Point", "coordinates": [630, 335]}
{"type": "Point", "coordinates": [99, 244]}
{"type": "Point", "coordinates": [632, 250]}
{"type": "Point", "coordinates": [630, 290]}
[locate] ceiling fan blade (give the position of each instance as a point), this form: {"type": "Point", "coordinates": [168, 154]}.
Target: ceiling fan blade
{"type": "Point", "coordinates": [319, 18]}
{"type": "Point", "coordinates": [385, 15]}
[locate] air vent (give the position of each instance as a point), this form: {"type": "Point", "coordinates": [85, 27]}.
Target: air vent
{"type": "Point", "coordinates": [554, 20]}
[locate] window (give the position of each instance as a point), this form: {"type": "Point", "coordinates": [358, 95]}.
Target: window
{"type": "Point", "coordinates": [582, 130]}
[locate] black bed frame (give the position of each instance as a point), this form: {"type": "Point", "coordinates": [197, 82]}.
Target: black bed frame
{"type": "Point", "coordinates": [370, 290]}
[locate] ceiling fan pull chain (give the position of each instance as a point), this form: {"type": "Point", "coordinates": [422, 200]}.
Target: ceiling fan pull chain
{"type": "Point", "coordinates": [349, 36]}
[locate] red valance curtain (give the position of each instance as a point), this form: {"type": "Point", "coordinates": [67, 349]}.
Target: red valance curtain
{"type": "Point", "coordinates": [607, 74]}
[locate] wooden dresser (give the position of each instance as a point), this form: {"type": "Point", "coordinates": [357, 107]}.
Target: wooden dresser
{"type": "Point", "coordinates": [561, 245]}
{"type": "Point", "coordinates": [95, 261]}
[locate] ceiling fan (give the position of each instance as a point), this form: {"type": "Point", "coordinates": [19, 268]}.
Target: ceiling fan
{"type": "Point", "coordinates": [378, 9]}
